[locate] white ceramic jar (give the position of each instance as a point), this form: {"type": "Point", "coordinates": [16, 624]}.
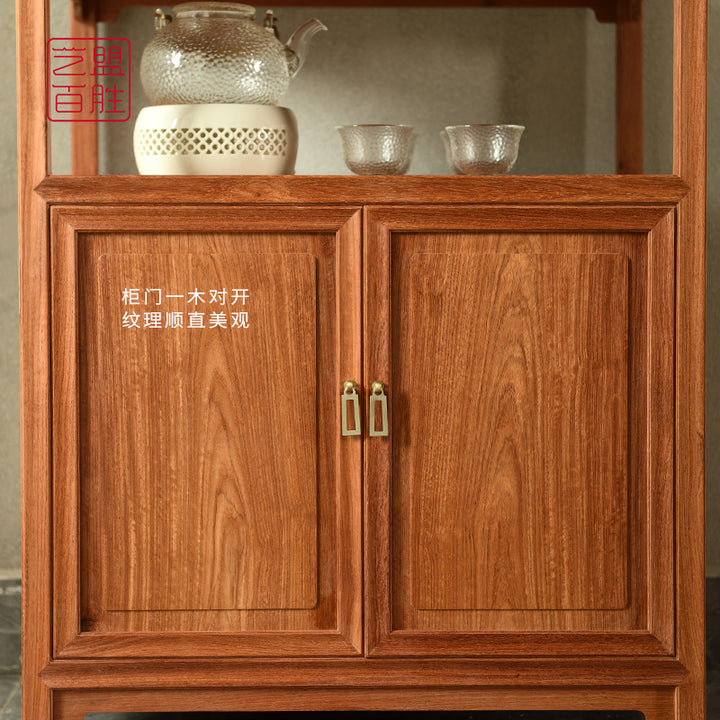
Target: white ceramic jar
{"type": "Point", "coordinates": [215, 139]}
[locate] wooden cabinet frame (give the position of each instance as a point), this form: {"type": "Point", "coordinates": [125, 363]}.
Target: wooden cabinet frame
{"type": "Point", "coordinates": [645, 625]}
{"type": "Point", "coordinates": [338, 509]}
{"type": "Point", "coordinates": [667, 685]}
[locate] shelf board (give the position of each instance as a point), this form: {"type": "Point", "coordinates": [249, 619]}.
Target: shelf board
{"type": "Point", "coordinates": [362, 190]}
{"type": "Point", "coordinates": [605, 10]}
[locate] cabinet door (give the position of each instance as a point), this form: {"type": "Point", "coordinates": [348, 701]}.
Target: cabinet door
{"type": "Point", "coordinates": [522, 502]}
{"type": "Point", "coordinates": [204, 504]}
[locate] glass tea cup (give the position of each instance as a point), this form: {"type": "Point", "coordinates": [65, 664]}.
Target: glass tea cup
{"type": "Point", "coordinates": [377, 149]}
{"type": "Point", "coordinates": [483, 149]}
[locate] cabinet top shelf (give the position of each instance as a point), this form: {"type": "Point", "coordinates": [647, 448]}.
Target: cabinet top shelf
{"type": "Point", "coordinates": [605, 10]}
{"type": "Point", "coordinates": [363, 190]}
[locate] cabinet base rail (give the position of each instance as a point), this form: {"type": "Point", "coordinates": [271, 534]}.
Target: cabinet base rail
{"type": "Point", "coordinates": [150, 673]}
{"type": "Point", "coordinates": [654, 703]}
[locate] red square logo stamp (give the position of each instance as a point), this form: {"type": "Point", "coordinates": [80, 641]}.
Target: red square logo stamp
{"type": "Point", "coordinates": [88, 79]}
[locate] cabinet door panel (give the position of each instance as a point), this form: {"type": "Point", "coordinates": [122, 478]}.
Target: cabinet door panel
{"type": "Point", "coordinates": [213, 506]}
{"type": "Point", "coordinates": [523, 500]}
{"type": "Point", "coordinates": [522, 472]}
{"type": "Point", "coordinates": [216, 457]}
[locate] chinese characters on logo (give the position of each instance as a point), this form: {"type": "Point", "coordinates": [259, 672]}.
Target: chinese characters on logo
{"type": "Point", "coordinates": [88, 79]}
{"type": "Point", "coordinates": [202, 308]}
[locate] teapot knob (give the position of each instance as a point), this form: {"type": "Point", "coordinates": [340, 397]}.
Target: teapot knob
{"type": "Point", "coordinates": [270, 23]}
{"type": "Point", "coordinates": [160, 19]}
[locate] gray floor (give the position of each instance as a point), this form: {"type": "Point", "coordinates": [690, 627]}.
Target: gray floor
{"type": "Point", "coordinates": [10, 697]}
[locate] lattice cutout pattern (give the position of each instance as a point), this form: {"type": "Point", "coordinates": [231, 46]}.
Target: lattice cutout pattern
{"type": "Point", "coordinates": [211, 141]}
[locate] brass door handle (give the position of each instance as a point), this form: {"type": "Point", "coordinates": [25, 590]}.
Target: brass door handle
{"type": "Point", "coordinates": [377, 395]}
{"type": "Point", "coordinates": [350, 395]}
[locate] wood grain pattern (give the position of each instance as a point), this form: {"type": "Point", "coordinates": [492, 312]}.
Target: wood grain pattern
{"type": "Point", "coordinates": [515, 369]}
{"type": "Point", "coordinates": [220, 445]}
{"type": "Point", "coordinates": [618, 610]}
{"type": "Point", "coordinates": [654, 703]}
{"type": "Point", "coordinates": [661, 407]}
{"type": "Point", "coordinates": [198, 449]}
{"type": "Point", "coordinates": [375, 672]}
{"type": "Point", "coordinates": [690, 162]}
{"type": "Point", "coordinates": [35, 363]}
{"type": "Point", "coordinates": [84, 135]}
{"type": "Point", "coordinates": [349, 350]}
{"type": "Point", "coordinates": [248, 634]}
{"type": "Point", "coordinates": [506, 190]}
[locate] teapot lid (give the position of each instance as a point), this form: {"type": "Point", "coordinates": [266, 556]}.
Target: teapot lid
{"type": "Point", "coordinates": [216, 9]}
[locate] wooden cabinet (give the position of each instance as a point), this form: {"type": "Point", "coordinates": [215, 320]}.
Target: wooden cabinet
{"type": "Point", "coordinates": [199, 534]}
{"type": "Point", "coordinates": [520, 509]}
{"type": "Point", "coordinates": [521, 503]}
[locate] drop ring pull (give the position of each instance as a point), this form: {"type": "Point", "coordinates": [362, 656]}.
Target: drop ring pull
{"type": "Point", "coordinates": [378, 396]}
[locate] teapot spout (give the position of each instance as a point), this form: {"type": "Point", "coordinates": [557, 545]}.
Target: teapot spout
{"type": "Point", "coordinates": [297, 46]}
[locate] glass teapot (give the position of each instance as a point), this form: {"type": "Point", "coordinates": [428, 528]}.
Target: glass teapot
{"type": "Point", "coordinates": [214, 52]}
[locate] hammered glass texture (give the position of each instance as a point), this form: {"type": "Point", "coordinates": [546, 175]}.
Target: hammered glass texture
{"type": "Point", "coordinates": [377, 149]}
{"type": "Point", "coordinates": [216, 57]}
{"type": "Point", "coordinates": [483, 149]}
{"type": "Point", "coordinates": [448, 152]}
